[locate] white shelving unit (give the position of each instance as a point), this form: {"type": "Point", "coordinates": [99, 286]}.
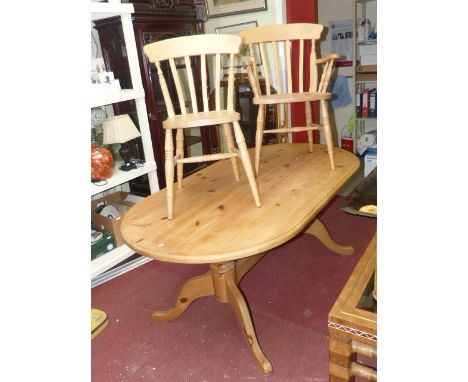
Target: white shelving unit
{"type": "Point", "coordinates": [362, 80]}
{"type": "Point", "coordinates": [100, 11]}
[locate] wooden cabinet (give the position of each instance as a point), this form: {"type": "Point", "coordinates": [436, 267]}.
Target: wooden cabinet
{"type": "Point", "coordinates": [243, 104]}
{"type": "Point", "coordinates": [153, 21]}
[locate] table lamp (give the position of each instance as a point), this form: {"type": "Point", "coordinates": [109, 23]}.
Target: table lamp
{"type": "Point", "coordinates": [121, 129]}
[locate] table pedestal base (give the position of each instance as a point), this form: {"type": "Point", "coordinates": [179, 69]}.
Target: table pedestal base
{"type": "Point", "coordinates": [221, 282]}
{"type": "Point", "coordinates": [320, 231]}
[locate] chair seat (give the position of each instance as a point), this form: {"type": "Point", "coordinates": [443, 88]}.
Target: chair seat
{"type": "Point", "coordinates": [290, 98]}
{"type": "Point", "coordinates": [201, 119]}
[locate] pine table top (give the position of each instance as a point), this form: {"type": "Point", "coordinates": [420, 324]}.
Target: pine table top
{"type": "Point", "coordinates": [216, 219]}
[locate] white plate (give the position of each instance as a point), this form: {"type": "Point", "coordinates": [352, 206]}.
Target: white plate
{"type": "Point", "coordinates": [110, 212]}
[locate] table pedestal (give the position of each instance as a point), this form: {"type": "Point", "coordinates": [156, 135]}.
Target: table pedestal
{"type": "Point", "coordinates": [222, 282]}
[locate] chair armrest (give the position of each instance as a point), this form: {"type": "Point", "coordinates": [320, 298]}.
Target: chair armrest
{"type": "Point", "coordinates": [328, 60]}
{"type": "Point", "coordinates": [328, 57]}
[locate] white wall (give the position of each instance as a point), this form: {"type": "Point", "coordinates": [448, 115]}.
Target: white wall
{"type": "Point", "coordinates": [275, 14]}
{"type": "Point", "coordinates": [336, 10]}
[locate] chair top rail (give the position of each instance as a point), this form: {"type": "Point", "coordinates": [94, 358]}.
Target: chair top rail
{"type": "Point", "coordinates": [192, 46]}
{"type": "Point", "coordinates": [280, 32]}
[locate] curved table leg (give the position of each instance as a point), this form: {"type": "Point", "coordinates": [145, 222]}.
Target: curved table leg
{"type": "Point", "coordinates": [238, 304]}
{"type": "Point", "coordinates": [320, 231]}
{"type": "Point", "coordinates": [194, 288]}
{"type": "Point", "coordinates": [221, 282]}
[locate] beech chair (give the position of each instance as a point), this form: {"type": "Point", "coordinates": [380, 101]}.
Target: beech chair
{"type": "Point", "coordinates": [182, 53]}
{"type": "Point", "coordinates": [263, 39]}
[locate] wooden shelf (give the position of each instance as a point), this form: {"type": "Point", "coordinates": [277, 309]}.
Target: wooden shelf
{"type": "Point", "coordinates": [120, 176]}
{"type": "Point", "coordinates": [366, 77]}
{"type": "Point", "coordinates": [366, 68]}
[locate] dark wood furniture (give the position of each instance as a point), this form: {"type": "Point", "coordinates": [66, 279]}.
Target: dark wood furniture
{"type": "Point", "coordinates": [248, 111]}
{"type": "Point", "coordinates": [352, 322]}
{"type": "Point", "coordinates": [226, 230]}
{"type": "Point", "coordinates": [154, 20]}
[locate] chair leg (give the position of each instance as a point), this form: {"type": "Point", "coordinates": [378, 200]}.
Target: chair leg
{"type": "Point", "coordinates": [328, 133]}
{"type": "Point", "coordinates": [230, 145]}
{"type": "Point", "coordinates": [169, 167]}
{"type": "Point", "coordinates": [244, 154]}
{"type": "Point", "coordinates": [259, 136]}
{"type": "Point", "coordinates": [308, 111]}
{"type": "Point", "coordinates": [180, 155]}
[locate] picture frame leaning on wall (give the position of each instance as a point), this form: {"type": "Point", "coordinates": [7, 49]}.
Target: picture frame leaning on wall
{"type": "Point", "coordinates": [217, 8]}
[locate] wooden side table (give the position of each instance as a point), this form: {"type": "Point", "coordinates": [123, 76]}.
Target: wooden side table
{"type": "Point", "coordinates": [352, 322]}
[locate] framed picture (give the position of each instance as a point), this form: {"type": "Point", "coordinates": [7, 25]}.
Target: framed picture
{"type": "Point", "coordinates": [218, 8]}
{"type": "Point", "coordinates": [244, 52]}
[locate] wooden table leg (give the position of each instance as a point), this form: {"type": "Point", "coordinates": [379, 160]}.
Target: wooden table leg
{"type": "Point", "coordinates": [194, 288]}
{"type": "Point", "coordinates": [246, 264]}
{"type": "Point", "coordinates": [222, 283]}
{"type": "Point", "coordinates": [320, 231]}
{"type": "Point", "coordinates": [227, 290]}
{"type": "Point", "coordinates": [340, 357]}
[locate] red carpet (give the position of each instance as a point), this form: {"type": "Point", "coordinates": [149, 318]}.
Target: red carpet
{"type": "Point", "coordinates": [290, 292]}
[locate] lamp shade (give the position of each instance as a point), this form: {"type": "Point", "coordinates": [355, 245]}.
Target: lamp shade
{"type": "Point", "coordinates": [119, 129]}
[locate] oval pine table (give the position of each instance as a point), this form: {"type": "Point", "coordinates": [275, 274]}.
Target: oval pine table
{"type": "Point", "coordinates": [216, 222]}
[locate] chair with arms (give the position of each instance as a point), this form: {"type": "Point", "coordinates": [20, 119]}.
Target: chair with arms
{"type": "Point", "coordinates": [263, 38]}
{"type": "Point", "coordinates": [185, 55]}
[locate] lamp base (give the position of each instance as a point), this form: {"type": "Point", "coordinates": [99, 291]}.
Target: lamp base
{"type": "Point", "coordinates": [127, 166]}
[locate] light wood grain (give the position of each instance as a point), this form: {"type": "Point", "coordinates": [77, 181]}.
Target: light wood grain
{"type": "Point", "coordinates": [297, 31]}
{"type": "Point", "coordinates": [215, 215]}
{"type": "Point", "coordinates": [195, 49]}
{"type": "Point", "coordinates": [221, 282]}
{"type": "Point", "coordinates": [345, 309]}
{"type": "Point", "coordinates": [192, 46]}
{"type": "Point", "coordinates": [290, 98]}
{"type": "Point", "coordinates": [320, 231]}
{"type": "Point", "coordinates": [200, 119]}
{"type": "Point", "coordinates": [353, 330]}
{"type": "Point", "coordinates": [180, 93]}
{"type": "Point", "coordinates": [273, 35]}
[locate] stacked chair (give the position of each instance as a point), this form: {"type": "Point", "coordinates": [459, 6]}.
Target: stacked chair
{"type": "Point", "coordinates": [272, 38]}
{"type": "Point", "coordinates": [189, 54]}
{"type": "Point", "coordinates": [195, 52]}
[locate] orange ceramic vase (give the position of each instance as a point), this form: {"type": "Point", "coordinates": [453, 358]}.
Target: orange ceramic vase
{"type": "Point", "coordinates": [102, 163]}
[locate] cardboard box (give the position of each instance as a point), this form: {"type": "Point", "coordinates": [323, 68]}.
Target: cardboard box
{"type": "Point", "coordinates": [120, 200]}
{"type": "Point", "coordinates": [370, 162]}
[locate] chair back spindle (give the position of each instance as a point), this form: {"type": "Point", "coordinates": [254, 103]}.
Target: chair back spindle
{"type": "Point", "coordinates": [297, 76]}
{"type": "Point", "coordinates": [189, 60]}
